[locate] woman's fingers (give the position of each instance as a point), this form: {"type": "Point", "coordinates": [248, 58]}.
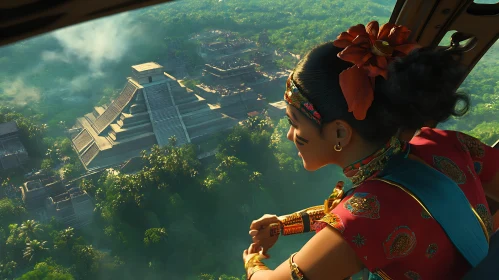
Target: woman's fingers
{"type": "Point", "coordinates": [261, 234]}
{"type": "Point", "coordinates": [253, 248]}
{"type": "Point", "coordinates": [263, 222]}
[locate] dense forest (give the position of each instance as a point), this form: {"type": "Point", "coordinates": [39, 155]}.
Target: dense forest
{"type": "Point", "coordinates": [178, 218]}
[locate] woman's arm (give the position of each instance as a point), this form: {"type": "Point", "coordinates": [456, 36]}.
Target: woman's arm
{"type": "Point", "coordinates": [326, 256]}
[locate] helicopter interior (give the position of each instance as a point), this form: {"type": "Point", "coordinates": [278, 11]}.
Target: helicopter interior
{"type": "Point", "coordinates": [474, 26]}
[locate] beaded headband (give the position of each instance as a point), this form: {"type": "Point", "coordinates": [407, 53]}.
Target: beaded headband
{"type": "Point", "coordinates": [295, 98]}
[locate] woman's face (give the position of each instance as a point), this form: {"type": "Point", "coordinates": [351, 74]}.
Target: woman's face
{"type": "Point", "coordinates": [314, 149]}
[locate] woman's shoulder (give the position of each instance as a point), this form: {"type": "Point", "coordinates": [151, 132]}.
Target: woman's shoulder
{"type": "Point", "coordinates": [436, 145]}
{"type": "Point", "coordinates": [452, 143]}
{"type": "Point", "coordinates": [443, 136]}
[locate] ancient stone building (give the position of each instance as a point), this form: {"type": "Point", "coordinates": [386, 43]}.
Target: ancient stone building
{"type": "Point", "coordinates": [230, 69]}
{"type": "Point", "coordinates": [34, 194]}
{"type": "Point", "coordinates": [73, 208]}
{"type": "Point", "coordinates": [12, 152]}
{"type": "Point", "coordinates": [277, 110]}
{"type": "Point", "coordinates": [152, 107]}
{"type": "Point", "coordinates": [69, 205]}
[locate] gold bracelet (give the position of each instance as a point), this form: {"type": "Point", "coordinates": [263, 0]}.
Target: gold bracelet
{"type": "Point", "coordinates": [253, 265]}
{"type": "Point", "coordinates": [251, 261]}
{"type": "Point", "coordinates": [254, 269]}
{"type": "Point", "coordinates": [296, 274]}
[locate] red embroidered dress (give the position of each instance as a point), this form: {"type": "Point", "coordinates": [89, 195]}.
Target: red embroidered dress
{"type": "Point", "coordinates": [391, 232]}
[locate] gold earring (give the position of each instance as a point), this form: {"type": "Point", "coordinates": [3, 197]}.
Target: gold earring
{"type": "Point", "coordinates": [337, 147]}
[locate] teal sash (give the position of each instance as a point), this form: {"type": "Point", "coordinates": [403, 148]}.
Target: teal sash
{"type": "Point", "coordinates": [446, 203]}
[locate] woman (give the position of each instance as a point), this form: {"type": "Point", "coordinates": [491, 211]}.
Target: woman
{"type": "Point", "coordinates": [348, 101]}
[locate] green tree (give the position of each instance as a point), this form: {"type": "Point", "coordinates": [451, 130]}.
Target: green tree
{"type": "Point", "coordinates": [86, 259]}
{"type": "Point", "coordinates": [71, 170]}
{"type": "Point", "coordinates": [30, 228]}
{"type": "Point", "coordinates": [34, 248]}
{"type": "Point", "coordinates": [46, 271]}
{"type": "Point", "coordinates": [65, 146]}
{"type": "Point", "coordinates": [10, 212]}
{"type": "Point", "coordinates": [47, 164]}
{"type": "Point", "coordinates": [64, 238]}
{"type": "Point", "coordinates": [154, 236]}
{"type": "Point", "coordinates": [8, 269]}
{"type": "Point", "coordinates": [88, 186]}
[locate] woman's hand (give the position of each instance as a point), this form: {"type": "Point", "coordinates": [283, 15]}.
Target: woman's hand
{"type": "Point", "coordinates": [252, 261]}
{"type": "Point", "coordinates": [251, 252]}
{"type": "Point", "coordinates": [263, 237]}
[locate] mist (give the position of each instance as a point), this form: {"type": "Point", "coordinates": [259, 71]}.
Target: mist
{"type": "Point", "coordinates": [95, 43]}
{"type": "Point", "coordinates": [20, 93]}
{"type": "Point", "coordinates": [71, 62]}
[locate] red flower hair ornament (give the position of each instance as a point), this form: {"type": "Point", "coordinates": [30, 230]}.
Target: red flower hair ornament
{"type": "Point", "coordinates": [371, 49]}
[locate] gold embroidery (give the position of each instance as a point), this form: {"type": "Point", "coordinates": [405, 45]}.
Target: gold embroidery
{"type": "Point", "coordinates": [400, 243]}
{"type": "Point", "coordinates": [364, 205]}
{"type": "Point", "coordinates": [377, 163]}
{"type": "Point", "coordinates": [471, 144]}
{"type": "Point", "coordinates": [450, 168]}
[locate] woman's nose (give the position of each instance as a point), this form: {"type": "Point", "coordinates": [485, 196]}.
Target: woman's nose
{"type": "Point", "coordinates": [290, 134]}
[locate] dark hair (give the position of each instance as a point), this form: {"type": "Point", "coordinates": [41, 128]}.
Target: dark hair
{"type": "Point", "coordinates": [421, 87]}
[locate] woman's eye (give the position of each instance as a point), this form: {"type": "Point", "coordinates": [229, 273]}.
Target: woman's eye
{"type": "Point", "coordinates": [291, 123]}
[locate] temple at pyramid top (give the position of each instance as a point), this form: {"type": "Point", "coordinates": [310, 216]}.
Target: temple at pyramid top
{"type": "Point", "coordinates": [152, 107]}
{"type": "Point", "coordinates": [147, 73]}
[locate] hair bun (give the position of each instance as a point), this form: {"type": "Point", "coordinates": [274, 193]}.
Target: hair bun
{"type": "Point", "coordinates": [421, 87]}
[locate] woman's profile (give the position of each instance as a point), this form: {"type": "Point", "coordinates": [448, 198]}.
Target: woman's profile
{"type": "Point", "coordinates": [355, 103]}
